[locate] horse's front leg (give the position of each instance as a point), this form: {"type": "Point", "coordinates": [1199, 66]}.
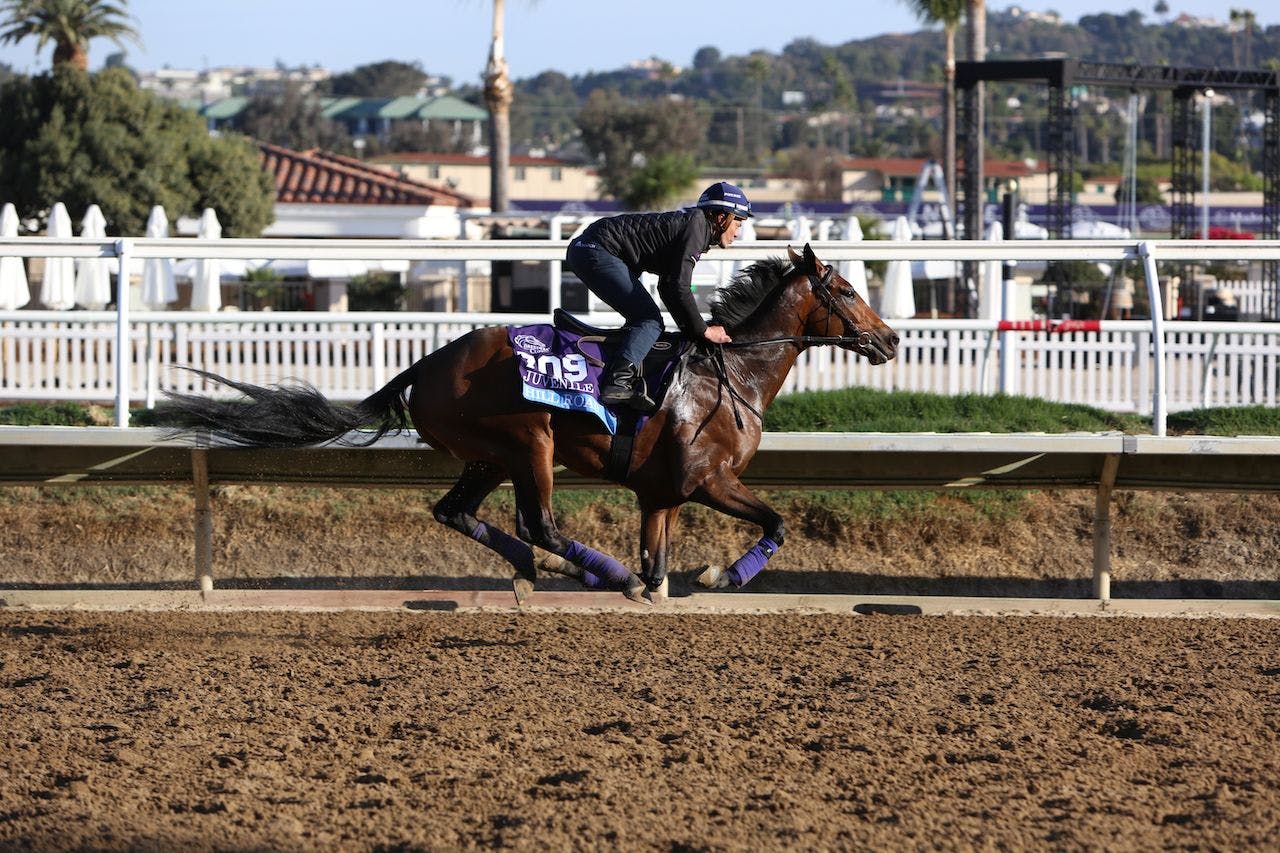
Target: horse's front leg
{"type": "Point", "coordinates": [656, 527]}
{"type": "Point", "coordinates": [726, 493]}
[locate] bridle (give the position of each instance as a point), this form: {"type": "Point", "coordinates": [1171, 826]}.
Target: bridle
{"type": "Point", "coordinates": [825, 289]}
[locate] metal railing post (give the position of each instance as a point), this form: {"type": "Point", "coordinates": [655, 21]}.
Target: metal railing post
{"type": "Point", "coordinates": [123, 356]}
{"type": "Point", "coordinates": [1159, 414]}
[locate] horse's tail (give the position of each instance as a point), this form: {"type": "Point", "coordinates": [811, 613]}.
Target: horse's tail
{"type": "Point", "coordinates": [293, 415]}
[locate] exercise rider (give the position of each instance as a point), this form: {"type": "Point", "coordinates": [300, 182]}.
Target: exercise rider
{"type": "Point", "coordinates": [612, 252]}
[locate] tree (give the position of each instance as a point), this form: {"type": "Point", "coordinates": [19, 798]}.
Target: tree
{"type": "Point", "coordinates": [648, 138]}
{"type": "Point", "coordinates": [706, 58]}
{"type": "Point", "coordinates": [80, 139]}
{"type": "Point", "coordinates": [387, 79]}
{"type": "Point", "coordinates": [948, 13]}
{"type": "Point", "coordinates": [293, 119]}
{"type": "Point", "coordinates": [69, 24]}
{"type": "Point", "coordinates": [498, 96]}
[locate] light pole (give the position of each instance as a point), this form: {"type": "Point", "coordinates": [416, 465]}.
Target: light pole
{"type": "Point", "coordinates": [1205, 126]}
{"type": "Point", "coordinates": [1207, 117]}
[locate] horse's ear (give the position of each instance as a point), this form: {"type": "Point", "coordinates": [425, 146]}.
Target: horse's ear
{"type": "Point", "coordinates": [796, 260]}
{"type": "Point", "coordinates": [811, 261]}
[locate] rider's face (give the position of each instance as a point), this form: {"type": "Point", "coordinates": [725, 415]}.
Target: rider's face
{"type": "Point", "coordinates": [730, 229]}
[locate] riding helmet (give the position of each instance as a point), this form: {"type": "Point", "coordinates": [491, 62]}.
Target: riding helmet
{"type": "Point", "coordinates": [723, 195]}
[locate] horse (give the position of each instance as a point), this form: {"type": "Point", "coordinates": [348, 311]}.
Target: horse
{"type": "Point", "coordinates": [465, 398]}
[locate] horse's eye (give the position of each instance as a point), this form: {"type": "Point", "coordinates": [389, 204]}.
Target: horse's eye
{"type": "Point", "coordinates": [848, 292]}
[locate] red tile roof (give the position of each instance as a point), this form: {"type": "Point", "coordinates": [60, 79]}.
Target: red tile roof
{"type": "Point", "coordinates": [467, 159]}
{"type": "Point", "coordinates": [910, 166]}
{"type": "Point", "coordinates": [322, 177]}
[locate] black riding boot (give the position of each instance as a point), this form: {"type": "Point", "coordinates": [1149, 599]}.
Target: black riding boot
{"type": "Point", "coordinates": [623, 385]}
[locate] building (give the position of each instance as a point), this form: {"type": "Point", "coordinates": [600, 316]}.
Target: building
{"type": "Point", "coordinates": [536, 182]}
{"type": "Point", "coordinates": [881, 179]}
{"type": "Point", "coordinates": [463, 122]}
{"type": "Point", "coordinates": [321, 194]}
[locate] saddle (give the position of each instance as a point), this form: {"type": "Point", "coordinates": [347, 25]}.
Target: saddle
{"type": "Point", "coordinates": [667, 347]}
{"type": "Point", "coordinates": [658, 369]}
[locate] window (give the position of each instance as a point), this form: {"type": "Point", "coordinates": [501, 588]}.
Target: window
{"type": "Point", "coordinates": [433, 172]}
{"type": "Point", "coordinates": [520, 173]}
{"type": "Point", "coordinates": [557, 174]}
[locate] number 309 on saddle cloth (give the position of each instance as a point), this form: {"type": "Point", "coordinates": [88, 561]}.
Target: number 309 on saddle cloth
{"type": "Point", "coordinates": [562, 369]}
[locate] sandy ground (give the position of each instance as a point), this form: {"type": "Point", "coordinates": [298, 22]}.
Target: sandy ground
{"type": "Point", "coordinates": [409, 731]}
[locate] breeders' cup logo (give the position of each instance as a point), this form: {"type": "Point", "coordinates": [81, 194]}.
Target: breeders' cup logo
{"type": "Point", "coordinates": [529, 343]}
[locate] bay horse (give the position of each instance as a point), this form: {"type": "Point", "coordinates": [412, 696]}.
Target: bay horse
{"type": "Point", "coordinates": [465, 398]}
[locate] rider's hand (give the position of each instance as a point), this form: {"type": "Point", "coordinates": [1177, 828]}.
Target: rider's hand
{"type": "Point", "coordinates": [717, 335]}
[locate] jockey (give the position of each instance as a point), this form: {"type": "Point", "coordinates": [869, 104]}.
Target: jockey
{"type": "Point", "coordinates": [612, 252]}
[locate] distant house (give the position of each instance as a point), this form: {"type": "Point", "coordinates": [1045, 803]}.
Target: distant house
{"type": "Point", "coordinates": [871, 179]}
{"type": "Point", "coordinates": [379, 116]}
{"type": "Point", "coordinates": [538, 179]}
{"type": "Point", "coordinates": [376, 117]}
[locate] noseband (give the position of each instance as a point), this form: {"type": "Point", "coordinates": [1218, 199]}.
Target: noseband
{"type": "Point", "coordinates": [824, 289]}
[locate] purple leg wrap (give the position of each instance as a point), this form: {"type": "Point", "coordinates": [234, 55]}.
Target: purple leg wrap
{"type": "Point", "coordinates": [514, 551]}
{"type": "Point", "coordinates": [749, 564]}
{"type": "Point", "coordinates": [599, 571]}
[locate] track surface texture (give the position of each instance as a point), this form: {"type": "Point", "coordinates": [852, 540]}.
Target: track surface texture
{"type": "Point", "coordinates": [408, 731]}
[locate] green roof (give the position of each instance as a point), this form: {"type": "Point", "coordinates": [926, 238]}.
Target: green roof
{"type": "Point", "coordinates": [450, 108]}
{"type": "Point", "coordinates": [445, 107]}
{"type": "Point", "coordinates": [225, 108]}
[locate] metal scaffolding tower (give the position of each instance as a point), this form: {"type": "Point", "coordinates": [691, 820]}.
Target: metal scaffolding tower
{"type": "Point", "coordinates": [1061, 75]}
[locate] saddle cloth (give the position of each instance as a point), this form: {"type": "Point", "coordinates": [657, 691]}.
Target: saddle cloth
{"type": "Point", "coordinates": [561, 367]}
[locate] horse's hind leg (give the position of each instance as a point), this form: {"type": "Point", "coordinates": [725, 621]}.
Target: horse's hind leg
{"type": "Point", "coordinates": [656, 526]}
{"type": "Point", "coordinates": [457, 510]}
{"type": "Point", "coordinates": [536, 524]}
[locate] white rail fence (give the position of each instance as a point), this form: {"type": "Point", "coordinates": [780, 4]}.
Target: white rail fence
{"type": "Point", "coordinates": [1141, 366]}
{"type": "Point", "coordinates": [71, 356]}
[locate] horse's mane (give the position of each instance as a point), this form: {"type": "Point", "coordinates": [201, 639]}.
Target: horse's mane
{"type": "Point", "coordinates": [747, 292]}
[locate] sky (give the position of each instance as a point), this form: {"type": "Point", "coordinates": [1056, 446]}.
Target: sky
{"type": "Point", "coordinates": [451, 37]}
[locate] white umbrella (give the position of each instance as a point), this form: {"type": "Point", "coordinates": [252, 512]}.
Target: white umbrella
{"type": "Point", "coordinates": [58, 290]}
{"type": "Point", "coordinates": [991, 294]}
{"type": "Point", "coordinates": [93, 275]}
{"type": "Point", "coordinates": [14, 292]}
{"type": "Point", "coordinates": [158, 289]}
{"type": "Point", "coordinates": [206, 284]}
{"type": "Point", "coordinates": [854, 272]}
{"type": "Point", "coordinates": [899, 299]}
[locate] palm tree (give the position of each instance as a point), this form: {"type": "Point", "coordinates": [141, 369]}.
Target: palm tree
{"type": "Point", "coordinates": [948, 13]}
{"type": "Point", "coordinates": [69, 24]}
{"type": "Point", "coordinates": [498, 95]}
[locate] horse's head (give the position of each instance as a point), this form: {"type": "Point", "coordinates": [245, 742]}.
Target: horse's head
{"type": "Point", "coordinates": [838, 310]}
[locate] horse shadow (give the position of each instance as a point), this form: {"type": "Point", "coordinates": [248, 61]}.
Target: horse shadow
{"type": "Point", "coordinates": [791, 582]}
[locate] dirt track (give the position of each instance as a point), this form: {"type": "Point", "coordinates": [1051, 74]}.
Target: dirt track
{"type": "Point", "coordinates": [400, 731]}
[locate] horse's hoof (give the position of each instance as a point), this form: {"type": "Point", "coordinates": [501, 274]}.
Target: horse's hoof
{"type": "Point", "coordinates": [714, 577]}
{"type": "Point", "coordinates": [636, 590]}
{"type": "Point", "coordinates": [523, 588]}
{"type": "Point", "coordinates": [553, 563]}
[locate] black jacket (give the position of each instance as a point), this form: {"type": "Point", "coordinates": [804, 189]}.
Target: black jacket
{"type": "Point", "coordinates": [665, 244]}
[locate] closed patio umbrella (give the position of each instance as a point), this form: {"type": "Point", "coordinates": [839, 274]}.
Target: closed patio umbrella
{"type": "Point", "coordinates": [93, 275]}
{"type": "Point", "coordinates": [158, 289]}
{"type": "Point", "coordinates": [14, 291]}
{"type": "Point", "coordinates": [206, 283]}
{"type": "Point", "coordinates": [898, 300]}
{"type": "Point", "coordinates": [854, 272]}
{"type": "Point", "coordinates": [58, 290]}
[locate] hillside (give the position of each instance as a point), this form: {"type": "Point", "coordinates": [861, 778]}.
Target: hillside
{"type": "Point", "coordinates": [850, 96]}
